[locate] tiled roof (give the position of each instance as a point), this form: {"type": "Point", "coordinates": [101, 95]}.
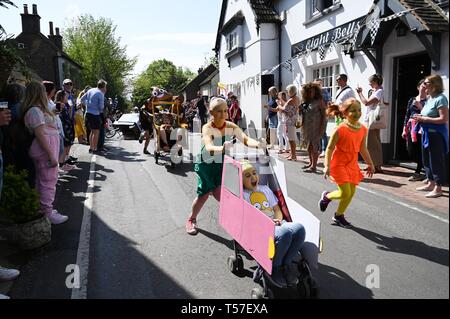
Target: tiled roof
{"type": "Point", "coordinates": [431, 16]}
{"type": "Point", "coordinates": [264, 11]}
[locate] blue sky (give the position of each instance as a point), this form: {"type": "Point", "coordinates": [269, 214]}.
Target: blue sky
{"type": "Point", "coordinates": [182, 31]}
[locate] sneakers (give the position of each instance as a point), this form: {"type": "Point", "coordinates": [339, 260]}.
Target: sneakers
{"type": "Point", "coordinates": [291, 274]}
{"type": "Point", "coordinates": [425, 188]}
{"type": "Point", "coordinates": [7, 274]}
{"type": "Point", "coordinates": [322, 155]}
{"type": "Point", "coordinates": [67, 167]}
{"type": "Point", "coordinates": [71, 162]}
{"type": "Point", "coordinates": [434, 194]}
{"type": "Point", "coordinates": [191, 227]}
{"type": "Point", "coordinates": [324, 201]}
{"type": "Point", "coordinates": [278, 277]}
{"type": "Point", "coordinates": [341, 221]}
{"type": "Point", "coordinates": [56, 218]}
{"type": "Point", "coordinates": [416, 178]}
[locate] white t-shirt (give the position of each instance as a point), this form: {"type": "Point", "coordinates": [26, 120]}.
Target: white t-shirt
{"type": "Point", "coordinates": [263, 199]}
{"type": "Point", "coordinates": [379, 94]}
{"type": "Point", "coordinates": [347, 93]}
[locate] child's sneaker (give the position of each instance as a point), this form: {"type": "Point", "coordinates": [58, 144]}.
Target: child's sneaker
{"type": "Point", "coordinates": [341, 221]}
{"type": "Point", "coordinates": [324, 201]}
{"type": "Point", "coordinates": [7, 274]}
{"type": "Point", "coordinates": [56, 218]}
{"type": "Point", "coordinates": [191, 227]}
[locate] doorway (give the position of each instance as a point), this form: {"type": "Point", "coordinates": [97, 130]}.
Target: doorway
{"type": "Point", "coordinates": [409, 70]}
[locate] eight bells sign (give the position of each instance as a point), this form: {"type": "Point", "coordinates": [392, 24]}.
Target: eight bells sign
{"type": "Point", "coordinates": [336, 35]}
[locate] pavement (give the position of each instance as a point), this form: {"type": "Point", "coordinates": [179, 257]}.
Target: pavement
{"type": "Point", "coordinates": [393, 184]}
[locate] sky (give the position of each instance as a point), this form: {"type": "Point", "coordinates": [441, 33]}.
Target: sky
{"type": "Point", "coordinates": [181, 31]}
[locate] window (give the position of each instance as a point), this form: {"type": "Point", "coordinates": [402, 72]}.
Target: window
{"type": "Point", "coordinates": [232, 41]}
{"type": "Point", "coordinates": [315, 9]}
{"type": "Point", "coordinates": [328, 75]}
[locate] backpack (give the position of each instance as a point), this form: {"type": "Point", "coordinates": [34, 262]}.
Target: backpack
{"type": "Point", "coordinates": [21, 136]}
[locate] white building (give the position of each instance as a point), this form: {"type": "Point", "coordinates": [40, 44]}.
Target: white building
{"type": "Point", "coordinates": [254, 36]}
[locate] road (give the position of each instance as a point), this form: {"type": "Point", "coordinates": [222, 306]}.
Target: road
{"type": "Point", "coordinates": [134, 244]}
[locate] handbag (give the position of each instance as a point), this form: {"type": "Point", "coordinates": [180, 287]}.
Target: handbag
{"type": "Point", "coordinates": [377, 117]}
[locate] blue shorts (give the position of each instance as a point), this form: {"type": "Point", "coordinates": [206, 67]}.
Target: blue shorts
{"type": "Point", "coordinates": [273, 121]}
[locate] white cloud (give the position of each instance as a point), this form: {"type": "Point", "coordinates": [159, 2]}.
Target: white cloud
{"type": "Point", "coordinates": [188, 38]}
{"type": "Point", "coordinates": [71, 12]}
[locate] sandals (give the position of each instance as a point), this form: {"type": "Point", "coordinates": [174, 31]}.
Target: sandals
{"type": "Point", "coordinates": [310, 170]}
{"type": "Point", "coordinates": [306, 166]}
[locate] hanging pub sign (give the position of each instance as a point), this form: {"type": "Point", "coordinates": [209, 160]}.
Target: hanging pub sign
{"type": "Point", "coordinates": [332, 36]}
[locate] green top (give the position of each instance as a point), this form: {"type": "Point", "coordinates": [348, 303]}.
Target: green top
{"type": "Point", "coordinates": [209, 168]}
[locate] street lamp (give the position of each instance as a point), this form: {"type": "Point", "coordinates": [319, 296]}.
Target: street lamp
{"type": "Point", "coordinates": [348, 49]}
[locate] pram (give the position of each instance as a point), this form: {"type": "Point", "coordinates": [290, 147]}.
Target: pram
{"type": "Point", "coordinates": [253, 231]}
{"type": "Point", "coordinates": [166, 116]}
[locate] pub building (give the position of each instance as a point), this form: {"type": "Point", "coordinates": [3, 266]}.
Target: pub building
{"type": "Point", "coordinates": [263, 43]}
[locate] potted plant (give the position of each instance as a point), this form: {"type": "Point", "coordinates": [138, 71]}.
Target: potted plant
{"type": "Point", "coordinates": [20, 219]}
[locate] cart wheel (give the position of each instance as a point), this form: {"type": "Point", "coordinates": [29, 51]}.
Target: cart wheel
{"type": "Point", "coordinates": [172, 165]}
{"type": "Point", "coordinates": [156, 154]}
{"type": "Point", "coordinates": [235, 265]}
{"type": "Point", "coordinates": [304, 289]}
{"type": "Point", "coordinates": [257, 293]}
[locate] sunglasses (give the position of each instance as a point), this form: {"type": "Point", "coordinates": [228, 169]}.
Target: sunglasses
{"type": "Point", "coordinates": [68, 84]}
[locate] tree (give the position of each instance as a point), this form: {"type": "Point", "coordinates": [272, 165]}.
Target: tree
{"type": "Point", "coordinates": [93, 44]}
{"type": "Point", "coordinates": [163, 74]}
{"type": "Point", "coordinates": [9, 55]}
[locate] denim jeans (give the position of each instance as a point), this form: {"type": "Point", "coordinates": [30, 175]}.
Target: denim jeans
{"type": "Point", "coordinates": [434, 159]}
{"type": "Point", "coordinates": [289, 239]}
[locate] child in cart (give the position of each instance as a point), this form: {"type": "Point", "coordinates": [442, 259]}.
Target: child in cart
{"type": "Point", "coordinates": [289, 236]}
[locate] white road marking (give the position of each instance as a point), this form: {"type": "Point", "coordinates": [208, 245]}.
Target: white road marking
{"type": "Point", "coordinates": [85, 236]}
{"type": "Point", "coordinates": [419, 210]}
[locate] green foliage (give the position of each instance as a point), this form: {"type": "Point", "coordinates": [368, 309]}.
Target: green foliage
{"type": "Point", "coordinates": [19, 203]}
{"type": "Point", "coordinates": [93, 44]}
{"type": "Point", "coordinates": [163, 74]}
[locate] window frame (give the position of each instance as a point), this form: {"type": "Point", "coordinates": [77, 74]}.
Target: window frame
{"type": "Point", "coordinates": [328, 78]}
{"type": "Point", "coordinates": [313, 14]}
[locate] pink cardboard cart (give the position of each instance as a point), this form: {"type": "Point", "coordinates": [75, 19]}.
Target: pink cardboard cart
{"type": "Point", "coordinates": [254, 232]}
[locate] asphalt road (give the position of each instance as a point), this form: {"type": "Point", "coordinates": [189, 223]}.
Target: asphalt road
{"type": "Point", "coordinates": [138, 247]}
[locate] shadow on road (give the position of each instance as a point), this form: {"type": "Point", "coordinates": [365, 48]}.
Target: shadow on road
{"type": "Point", "coordinates": [336, 284]}
{"type": "Point", "coordinates": [121, 155]}
{"type": "Point", "coordinates": [121, 271]}
{"type": "Point", "coordinates": [406, 246]}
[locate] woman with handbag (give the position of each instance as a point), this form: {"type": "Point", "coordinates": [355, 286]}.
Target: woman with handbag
{"type": "Point", "coordinates": [314, 119]}
{"type": "Point", "coordinates": [374, 120]}
{"type": "Point", "coordinates": [433, 122]}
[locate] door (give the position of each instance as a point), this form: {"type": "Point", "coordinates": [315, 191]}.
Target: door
{"type": "Point", "coordinates": [409, 71]}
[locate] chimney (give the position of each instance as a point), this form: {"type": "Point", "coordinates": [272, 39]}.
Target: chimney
{"type": "Point", "coordinates": [55, 38]}
{"type": "Point", "coordinates": [31, 23]}
{"type": "Point", "coordinates": [200, 70]}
